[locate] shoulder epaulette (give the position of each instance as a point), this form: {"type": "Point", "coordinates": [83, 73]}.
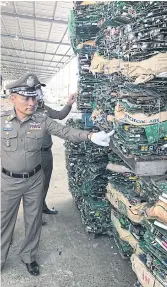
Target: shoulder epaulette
{"type": "Point", "coordinates": [40, 113]}
{"type": "Point", "coordinates": [5, 113]}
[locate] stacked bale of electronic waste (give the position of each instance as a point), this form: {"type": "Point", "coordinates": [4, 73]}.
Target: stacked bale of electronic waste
{"type": "Point", "coordinates": [108, 47]}
{"type": "Point", "coordinates": [132, 57]}
{"type": "Point", "coordinates": [127, 207]}
{"type": "Point", "coordinates": [139, 218]}
{"type": "Point", "coordinates": [83, 29]}
{"type": "Point", "coordinates": [105, 96]}
{"type": "Point", "coordinates": [151, 255]}
{"type": "Point", "coordinates": [87, 179]}
{"type": "Point", "coordinates": [86, 166]}
{"type": "Point", "coordinates": [129, 93]}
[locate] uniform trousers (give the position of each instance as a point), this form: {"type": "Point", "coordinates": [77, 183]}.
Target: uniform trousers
{"type": "Point", "coordinates": [47, 165]}
{"type": "Point", "coordinates": [31, 192]}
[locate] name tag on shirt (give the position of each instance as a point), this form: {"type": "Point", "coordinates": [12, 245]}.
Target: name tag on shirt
{"type": "Point", "coordinates": [7, 129]}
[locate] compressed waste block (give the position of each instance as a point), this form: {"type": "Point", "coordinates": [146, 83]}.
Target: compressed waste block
{"type": "Point", "coordinates": [158, 211]}
{"type": "Point", "coordinates": [145, 277]}
{"type": "Point", "coordinates": [118, 100]}
{"type": "Point", "coordinates": [154, 247]}
{"type": "Point", "coordinates": [87, 175]}
{"type": "Point", "coordinates": [125, 238]}
{"type": "Point", "coordinates": [154, 190]}
{"type": "Point", "coordinates": [141, 140]}
{"type": "Point", "coordinates": [115, 14]}
{"type": "Point", "coordinates": [134, 210]}
{"type": "Point", "coordinates": [142, 26]}
{"type": "Point", "coordinates": [82, 24]}
{"type": "Point", "coordinates": [146, 35]}
{"type": "Point", "coordinates": [122, 80]}
{"type": "Point", "coordinates": [83, 29]}
{"type": "Point", "coordinates": [134, 72]}
{"type": "Point", "coordinates": [95, 215]}
{"type": "Point", "coordinates": [135, 105]}
{"type": "Point", "coordinates": [86, 80]}
{"type": "Point", "coordinates": [86, 18]}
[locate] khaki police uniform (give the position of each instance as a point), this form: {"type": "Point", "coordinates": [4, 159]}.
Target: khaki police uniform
{"type": "Point", "coordinates": [22, 176]}
{"type": "Point", "coordinates": [46, 152]}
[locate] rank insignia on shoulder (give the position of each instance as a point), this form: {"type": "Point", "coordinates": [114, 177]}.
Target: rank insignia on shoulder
{"type": "Point", "coordinates": [4, 113]}
{"type": "Point", "coordinates": [40, 114]}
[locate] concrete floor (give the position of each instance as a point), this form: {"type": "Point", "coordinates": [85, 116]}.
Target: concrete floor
{"type": "Point", "coordinates": [68, 257]}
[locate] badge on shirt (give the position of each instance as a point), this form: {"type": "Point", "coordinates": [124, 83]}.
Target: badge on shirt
{"type": "Point", "coordinates": [8, 126]}
{"type": "Point", "coordinates": [35, 126]}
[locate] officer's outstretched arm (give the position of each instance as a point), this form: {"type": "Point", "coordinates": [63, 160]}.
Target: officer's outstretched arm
{"type": "Point", "coordinates": [76, 135]}
{"type": "Point", "coordinates": [60, 115]}
{"type": "Point", "coordinates": [64, 132]}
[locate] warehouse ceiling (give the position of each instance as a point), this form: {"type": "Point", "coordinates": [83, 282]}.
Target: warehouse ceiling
{"type": "Point", "coordinates": [34, 38]}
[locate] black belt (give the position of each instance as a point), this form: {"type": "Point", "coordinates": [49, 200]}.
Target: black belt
{"type": "Point", "coordinates": [22, 175]}
{"type": "Point", "coordinates": [45, 148]}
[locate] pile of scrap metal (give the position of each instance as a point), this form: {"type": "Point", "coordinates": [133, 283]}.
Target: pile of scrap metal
{"type": "Point", "coordinates": [133, 100]}
{"type": "Point", "coordinates": [83, 29]}
{"type": "Point", "coordinates": [115, 14]}
{"type": "Point", "coordinates": [87, 181]}
{"type": "Point", "coordinates": [149, 262]}
{"type": "Point", "coordinates": [128, 207]}
{"type": "Point", "coordinates": [86, 80]}
{"type": "Point", "coordinates": [124, 47]}
{"type": "Point", "coordinates": [139, 218]}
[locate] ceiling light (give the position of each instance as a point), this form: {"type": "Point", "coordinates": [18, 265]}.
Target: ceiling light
{"type": "Point", "coordinates": [4, 3]}
{"type": "Point", "coordinates": [16, 38]}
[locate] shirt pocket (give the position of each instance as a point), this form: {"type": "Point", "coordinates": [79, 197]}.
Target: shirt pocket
{"type": "Point", "coordinates": [9, 141]}
{"type": "Point", "coordinates": [34, 141]}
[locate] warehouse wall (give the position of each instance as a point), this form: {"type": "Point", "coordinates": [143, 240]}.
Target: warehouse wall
{"type": "Point", "coordinates": [62, 84]}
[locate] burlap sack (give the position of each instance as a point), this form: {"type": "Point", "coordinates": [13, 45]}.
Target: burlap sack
{"type": "Point", "coordinates": [88, 3]}
{"type": "Point", "coordinates": [138, 119]}
{"type": "Point", "coordinates": [143, 71]}
{"type": "Point", "coordinates": [98, 63]}
{"type": "Point", "coordinates": [134, 212]}
{"type": "Point", "coordinates": [158, 211]}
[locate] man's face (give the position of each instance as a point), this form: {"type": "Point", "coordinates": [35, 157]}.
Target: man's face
{"type": "Point", "coordinates": [24, 105]}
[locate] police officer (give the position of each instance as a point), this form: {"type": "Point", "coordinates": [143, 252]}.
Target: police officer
{"type": "Point", "coordinates": [47, 157]}
{"type": "Point", "coordinates": [23, 129]}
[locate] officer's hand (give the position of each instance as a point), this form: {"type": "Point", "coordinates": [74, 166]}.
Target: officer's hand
{"type": "Point", "coordinates": [72, 99]}
{"type": "Point", "coordinates": [101, 138]}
